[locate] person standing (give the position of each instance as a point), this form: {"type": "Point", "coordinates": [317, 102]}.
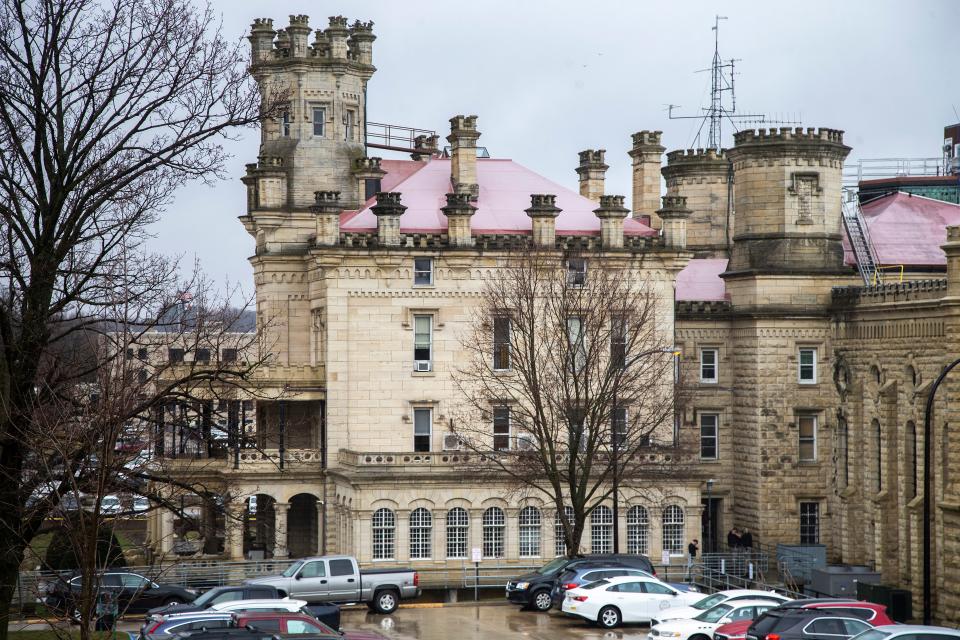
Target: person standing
{"type": "Point", "coordinates": [733, 539]}
{"type": "Point", "coordinates": [692, 549]}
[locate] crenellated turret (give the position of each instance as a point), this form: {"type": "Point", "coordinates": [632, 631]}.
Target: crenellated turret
{"type": "Point", "coordinates": [703, 177]}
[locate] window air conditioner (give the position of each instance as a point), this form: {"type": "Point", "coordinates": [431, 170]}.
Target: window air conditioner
{"type": "Point", "coordinates": [422, 365]}
{"type": "Point", "coordinates": [451, 442]}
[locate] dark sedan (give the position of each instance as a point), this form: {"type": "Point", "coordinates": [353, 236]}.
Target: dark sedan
{"type": "Point", "coordinates": [218, 595]}
{"type": "Point", "coordinates": [132, 592]}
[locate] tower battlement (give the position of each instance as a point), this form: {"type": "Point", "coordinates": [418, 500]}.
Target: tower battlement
{"type": "Point", "coordinates": [646, 138]}
{"type": "Point", "coordinates": [696, 156]}
{"type": "Point", "coordinates": [788, 134]}
{"type": "Point", "coordinates": [337, 42]}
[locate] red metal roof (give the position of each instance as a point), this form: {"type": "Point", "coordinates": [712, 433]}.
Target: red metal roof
{"type": "Point", "coordinates": [700, 280]}
{"type": "Point", "coordinates": [907, 229]}
{"type": "Point", "coordinates": [505, 189]}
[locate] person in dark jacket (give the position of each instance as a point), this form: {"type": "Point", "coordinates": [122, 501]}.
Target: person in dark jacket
{"type": "Point", "coordinates": [747, 539]}
{"type": "Point", "coordinates": [733, 538]}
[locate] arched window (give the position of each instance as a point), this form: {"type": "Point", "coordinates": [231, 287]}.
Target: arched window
{"type": "Point", "coordinates": [638, 530]}
{"type": "Point", "coordinates": [421, 532]}
{"type": "Point", "coordinates": [560, 544]}
{"type": "Point", "coordinates": [384, 534]}
{"type": "Point", "coordinates": [878, 452]}
{"type": "Point", "coordinates": [494, 524]}
{"type": "Point", "coordinates": [673, 530]}
{"type": "Point", "coordinates": [911, 460]}
{"type": "Point", "coordinates": [530, 532]}
{"type": "Point", "coordinates": [458, 526]}
{"type": "Point", "coordinates": [601, 530]}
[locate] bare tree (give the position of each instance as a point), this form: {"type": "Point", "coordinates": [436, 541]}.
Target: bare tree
{"type": "Point", "coordinates": [106, 108]}
{"type": "Point", "coordinates": [569, 381]}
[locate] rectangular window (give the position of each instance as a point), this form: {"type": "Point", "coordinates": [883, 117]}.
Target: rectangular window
{"type": "Point", "coordinates": [371, 187]}
{"type": "Point", "coordinates": [809, 523]}
{"type": "Point", "coordinates": [142, 353]}
{"type": "Point", "coordinates": [501, 428]}
{"type": "Point", "coordinates": [423, 271]}
{"type": "Point", "coordinates": [422, 343]}
{"type": "Point", "coordinates": [285, 124]}
{"type": "Point", "coordinates": [709, 436]}
{"type": "Point", "coordinates": [576, 272]}
{"type": "Point", "coordinates": [422, 426]}
{"type": "Point", "coordinates": [619, 427]}
{"type": "Point", "coordinates": [807, 366]}
{"type": "Point", "coordinates": [319, 121]}
{"type": "Point", "coordinates": [202, 356]}
{"type": "Point", "coordinates": [175, 355]}
{"type": "Point", "coordinates": [349, 124]}
{"type": "Point", "coordinates": [807, 426]}
{"type": "Point", "coordinates": [578, 350]}
{"type": "Point", "coordinates": [708, 366]}
{"type": "Point", "coordinates": [501, 343]}
{"type": "Point", "coordinates": [618, 342]}
{"type": "Point", "coordinates": [229, 355]}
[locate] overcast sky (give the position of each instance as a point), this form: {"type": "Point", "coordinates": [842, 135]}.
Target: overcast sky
{"type": "Point", "coordinates": [549, 79]}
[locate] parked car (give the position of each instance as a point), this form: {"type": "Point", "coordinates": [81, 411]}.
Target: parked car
{"type": "Point", "coordinates": [614, 601]}
{"type": "Point", "coordinates": [581, 574]}
{"type": "Point", "coordinates": [141, 504]}
{"type": "Point", "coordinates": [702, 626]}
{"type": "Point", "coordinates": [732, 630]}
{"type": "Point", "coordinates": [708, 602]}
{"type": "Point", "coordinates": [289, 623]}
{"type": "Point", "coordinates": [534, 590]}
{"type": "Point", "coordinates": [240, 633]}
{"type": "Point", "coordinates": [339, 579]}
{"type": "Point", "coordinates": [217, 595]}
{"type": "Point", "coordinates": [159, 626]}
{"type": "Point", "coordinates": [909, 632]}
{"type": "Point", "coordinates": [132, 592]}
{"type": "Point", "coordinates": [110, 505]}
{"type": "Point", "coordinates": [875, 614]}
{"type": "Point", "coordinates": [800, 623]}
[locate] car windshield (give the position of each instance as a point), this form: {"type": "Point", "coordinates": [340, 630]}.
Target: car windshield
{"type": "Point", "coordinates": [595, 584]}
{"type": "Point", "coordinates": [207, 597]}
{"type": "Point", "coordinates": [709, 601]}
{"type": "Point", "coordinates": [552, 567]}
{"type": "Point", "coordinates": [714, 614]}
{"type": "Point", "coordinates": [872, 634]}
{"type": "Point", "coordinates": [289, 573]}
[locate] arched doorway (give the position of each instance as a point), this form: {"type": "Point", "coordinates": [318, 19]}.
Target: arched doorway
{"type": "Point", "coordinates": [259, 528]}
{"type": "Point", "coordinates": [302, 526]}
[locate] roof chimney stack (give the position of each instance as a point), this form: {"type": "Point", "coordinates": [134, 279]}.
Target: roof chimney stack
{"type": "Point", "coordinates": [543, 214]}
{"type": "Point", "coordinates": [611, 214]}
{"type": "Point", "coordinates": [646, 154]}
{"type": "Point", "coordinates": [327, 208]}
{"type": "Point", "coordinates": [591, 171]}
{"type": "Point", "coordinates": [426, 147]}
{"type": "Point", "coordinates": [388, 211]}
{"type": "Point", "coordinates": [458, 212]}
{"type": "Point", "coordinates": [463, 154]}
{"type": "Point", "coordinates": [674, 214]}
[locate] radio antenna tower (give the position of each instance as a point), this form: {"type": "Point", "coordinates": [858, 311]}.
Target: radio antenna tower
{"type": "Point", "coordinates": [721, 82]}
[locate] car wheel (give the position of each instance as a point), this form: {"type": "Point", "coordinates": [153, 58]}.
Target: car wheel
{"type": "Point", "coordinates": [172, 601]}
{"type": "Point", "coordinates": [699, 637]}
{"type": "Point", "coordinates": [609, 617]}
{"type": "Point", "coordinates": [386, 601]}
{"type": "Point", "coordinates": [541, 600]}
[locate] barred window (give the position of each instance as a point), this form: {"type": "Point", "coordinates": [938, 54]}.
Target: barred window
{"type": "Point", "coordinates": [601, 530]}
{"type": "Point", "coordinates": [638, 530]}
{"type": "Point", "coordinates": [501, 343]}
{"type": "Point", "coordinates": [911, 460]}
{"type": "Point", "coordinates": [458, 528]}
{"type": "Point", "coordinates": [384, 534]}
{"type": "Point", "coordinates": [530, 532]}
{"type": "Point", "coordinates": [421, 532]}
{"type": "Point", "coordinates": [494, 524]}
{"type": "Point", "coordinates": [560, 545]}
{"type": "Point", "coordinates": [673, 530]}
{"type": "Point", "coordinates": [809, 523]}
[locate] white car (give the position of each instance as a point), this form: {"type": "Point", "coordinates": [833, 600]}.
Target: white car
{"type": "Point", "coordinates": [110, 504]}
{"type": "Point", "coordinates": [280, 605]}
{"type": "Point", "coordinates": [908, 632]}
{"type": "Point", "coordinates": [614, 601]}
{"type": "Point", "coordinates": [676, 613]}
{"type": "Point", "coordinates": [702, 626]}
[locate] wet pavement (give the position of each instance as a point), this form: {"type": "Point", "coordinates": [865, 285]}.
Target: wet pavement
{"type": "Point", "coordinates": [483, 623]}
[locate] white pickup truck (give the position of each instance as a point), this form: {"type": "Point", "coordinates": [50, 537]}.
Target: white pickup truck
{"type": "Point", "coordinates": [339, 579]}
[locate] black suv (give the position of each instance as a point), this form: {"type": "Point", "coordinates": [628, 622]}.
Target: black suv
{"type": "Point", "coordinates": [132, 592]}
{"type": "Point", "coordinates": [787, 623]}
{"type": "Point", "coordinates": [533, 590]}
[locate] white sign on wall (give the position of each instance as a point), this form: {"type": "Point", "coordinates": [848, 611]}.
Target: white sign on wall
{"type": "Point", "coordinates": [477, 554]}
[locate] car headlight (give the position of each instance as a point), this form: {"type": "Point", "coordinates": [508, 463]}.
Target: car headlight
{"type": "Point", "coordinates": [523, 585]}
{"type": "Point", "coordinates": [669, 634]}
{"type": "Point", "coordinates": [192, 592]}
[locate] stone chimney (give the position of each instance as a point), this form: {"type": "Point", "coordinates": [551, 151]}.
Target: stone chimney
{"type": "Point", "coordinates": [261, 40]}
{"type": "Point", "coordinates": [337, 34]}
{"type": "Point", "coordinates": [674, 214]}
{"type": "Point", "coordinates": [646, 154]}
{"type": "Point", "coordinates": [611, 214]}
{"type": "Point", "coordinates": [361, 41]}
{"type": "Point", "coordinates": [952, 249]}
{"type": "Point", "coordinates": [327, 208]}
{"type": "Point", "coordinates": [299, 33]}
{"type": "Point", "coordinates": [463, 154]}
{"type": "Point", "coordinates": [458, 212]}
{"type": "Point", "coordinates": [426, 147]}
{"type": "Point", "coordinates": [388, 211]}
{"type": "Point", "coordinates": [543, 213]}
{"type": "Point", "coordinates": [591, 172]}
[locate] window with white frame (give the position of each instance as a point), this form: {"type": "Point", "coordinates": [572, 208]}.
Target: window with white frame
{"type": "Point", "coordinates": [530, 532]}
{"type": "Point", "coordinates": [349, 124]}
{"type": "Point", "coordinates": [807, 428]}
{"type": "Point", "coordinates": [422, 429]}
{"type": "Point", "coordinates": [578, 348]}
{"type": "Point", "coordinates": [673, 530]}
{"type": "Point", "coordinates": [501, 343]}
{"type": "Point", "coordinates": [422, 271]}
{"type": "Point", "coordinates": [422, 342]}
{"type": "Point", "coordinates": [709, 436]}
{"type": "Point", "coordinates": [458, 528]}
{"type": "Point", "coordinates": [501, 428]}
{"type": "Point", "coordinates": [384, 525]}
{"type": "Point", "coordinates": [708, 366]}
{"type": "Point", "coordinates": [421, 533]}
{"type": "Point", "coordinates": [560, 541]}
{"type": "Point", "coordinates": [809, 523]}
{"type": "Point", "coordinates": [576, 272]}
{"type": "Point", "coordinates": [638, 530]}
{"type": "Point", "coordinates": [601, 530]}
{"type": "Point", "coordinates": [807, 365]}
{"type": "Point", "coordinates": [319, 121]}
{"type": "Point", "coordinates": [494, 525]}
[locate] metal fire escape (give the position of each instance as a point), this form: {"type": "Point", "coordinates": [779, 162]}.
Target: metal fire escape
{"type": "Point", "coordinates": [863, 249]}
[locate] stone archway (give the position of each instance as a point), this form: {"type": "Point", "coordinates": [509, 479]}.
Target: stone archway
{"type": "Point", "coordinates": [302, 527]}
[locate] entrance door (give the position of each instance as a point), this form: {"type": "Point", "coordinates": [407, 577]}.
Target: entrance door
{"type": "Point", "coordinates": [710, 524]}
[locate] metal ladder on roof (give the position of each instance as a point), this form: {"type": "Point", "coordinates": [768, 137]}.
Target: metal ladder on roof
{"type": "Point", "coordinates": [859, 237]}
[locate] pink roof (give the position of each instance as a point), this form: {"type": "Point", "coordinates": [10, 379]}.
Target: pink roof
{"type": "Point", "coordinates": [907, 230]}
{"type": "Point", "coordinates": [505, 189]}
{"type": "Point", "coordinates": [700, 280]}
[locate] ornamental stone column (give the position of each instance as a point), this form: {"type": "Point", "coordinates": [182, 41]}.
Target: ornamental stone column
{"type": "Point", "coordinates": [280, 510]}
{"type": "Point", "coordinates": [233, 531]}
{"type": "Point", "coordinates": [321, 529]}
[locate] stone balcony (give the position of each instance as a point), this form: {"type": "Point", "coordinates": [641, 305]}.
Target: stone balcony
{"type": "Point", "coordinates": [249, 460]}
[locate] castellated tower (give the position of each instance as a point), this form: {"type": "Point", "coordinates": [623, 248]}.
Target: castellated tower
{"type": "Point", "coordinates": [788, 200]}
{"type": "Point", "coordinates": [703, 177]}
{"type": "Point", "coordinates": [314, 142]}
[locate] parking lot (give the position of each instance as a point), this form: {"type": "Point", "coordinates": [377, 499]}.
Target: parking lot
{"type": "Point", "coordinates": [482, 623]}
